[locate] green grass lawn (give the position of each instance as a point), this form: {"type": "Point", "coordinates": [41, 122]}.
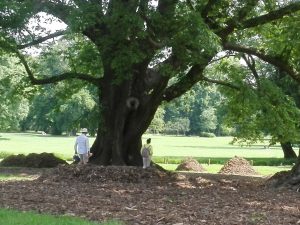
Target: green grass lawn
{"type": "Point", "coordinates": [163, 146]}
{"type": "Point", "coordinates": [12, 217]}
{"type": "Point", "coordinates": [210, 147]}
{"type": "Point", "coordinates": [218, 148]}
{"type": "Point", "coordinates": [17, 143]}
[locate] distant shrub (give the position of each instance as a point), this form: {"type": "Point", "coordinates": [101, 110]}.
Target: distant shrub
{"type": "Point", "coordinates": [4, 155]}
{"type": "Point", "coordinates": [207, 134]}
{"type": "Point", "coordinates": [43, 160]}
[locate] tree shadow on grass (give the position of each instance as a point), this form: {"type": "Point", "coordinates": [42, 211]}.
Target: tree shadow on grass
{"type": "Point", "coordinates": [4, 139]}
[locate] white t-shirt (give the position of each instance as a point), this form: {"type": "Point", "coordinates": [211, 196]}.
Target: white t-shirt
{"type": "Point", "coordinates": [82, 145]}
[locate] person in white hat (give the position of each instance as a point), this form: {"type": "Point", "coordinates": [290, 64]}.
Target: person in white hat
{"type": "Point", "coordinates": [82, 146]}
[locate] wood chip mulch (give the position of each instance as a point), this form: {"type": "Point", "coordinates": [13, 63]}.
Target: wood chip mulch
{"type": "Point", "coordinates": [238, 166]}
{"type": "Point", "coordinates": [190, 165]}
{"type": "Point", "coordinates": [137, 196]}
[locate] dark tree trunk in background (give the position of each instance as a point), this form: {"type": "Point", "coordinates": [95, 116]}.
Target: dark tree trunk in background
{"type": "Point", "coordinates": [288, 150]}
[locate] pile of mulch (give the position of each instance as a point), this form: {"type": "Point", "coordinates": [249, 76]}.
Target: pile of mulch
{"type": "Point", "coordinates": [33, 160]}
{"type": "Point", "coordinates": [238, 166]}
{"type": "Point", "coordinates": [99, 174]}
{"type": "Point", "coordinates": [190, 165]}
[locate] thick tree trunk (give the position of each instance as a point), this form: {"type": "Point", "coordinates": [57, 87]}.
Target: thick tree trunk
{"type": "Point", "coordinates": [122, 125]}
{"type": "Point", "coordinates": [119, 143]}
{"type": "Point", "coordinates": [288, 150]}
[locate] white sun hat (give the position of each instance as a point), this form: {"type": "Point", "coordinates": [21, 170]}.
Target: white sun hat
{"type": "Point", "coordinates": [84, 130]}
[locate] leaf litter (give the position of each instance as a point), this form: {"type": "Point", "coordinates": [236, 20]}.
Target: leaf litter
{"type": "Point", "coordinates": [150, 196]}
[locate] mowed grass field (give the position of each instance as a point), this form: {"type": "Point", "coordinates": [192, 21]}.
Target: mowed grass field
{"type": "Point", "coordinates": [16, 143]}
{"type": "Point", "coordinates": [164, 147]}
{"type": "Point", "coordinates": [218, 147]}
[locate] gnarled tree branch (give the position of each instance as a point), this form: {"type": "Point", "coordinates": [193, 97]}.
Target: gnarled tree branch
{"type": "Point", "coordinates": [220, 82]}
{"type": "Point", "coordinates": [240, 24]}
{"type": "Point", "coordinates": [250, 61]}
{"type": "Point", "coordinates": [220, 58]}
{"type": "Point", "coordinates": [267, 58]}
{"type": "Point", "coordinates": [55, 79]}
{"type": "Point", "coordinates": [240, 15]}
{"type": "Point", "coordinates": [271, 16]}
{"type": "Point", "coordinates": [42, 39]}
{"type": "Point", "coordinates": [194, 75]}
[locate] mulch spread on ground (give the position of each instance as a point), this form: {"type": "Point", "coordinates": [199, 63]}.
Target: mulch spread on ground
{"type": "Point", "coordinates": [149, 196]}
{"type": "Point", "coordinates": [238, 166]}
{"type": "Point", "coordinates": [190, 165]}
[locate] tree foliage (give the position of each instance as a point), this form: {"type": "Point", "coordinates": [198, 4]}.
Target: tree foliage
{"type": "Point", "coordinates": [66, 106]}
{"type": "Point", "coordinates": [13, 88]}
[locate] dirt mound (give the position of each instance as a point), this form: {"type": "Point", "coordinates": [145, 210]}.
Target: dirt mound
{"type": "Point", "coordinates": [93, 173]}
{"type": "Point", "coordinates": [238, 166]}
{"type": "Point", "coordinates": [14, 160]}
{"type": "Point", "coordinates": [190, 165]}
{"type": "Point", "coordinates": [43, 160]}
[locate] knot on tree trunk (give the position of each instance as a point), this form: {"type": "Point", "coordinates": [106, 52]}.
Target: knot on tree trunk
{"type": "Point", "coordinates": [132, 103]}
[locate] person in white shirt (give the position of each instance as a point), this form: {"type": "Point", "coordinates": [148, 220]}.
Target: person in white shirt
{"type": "Point", "coordinates": [147, 152]}
{"type": "Point", "coordinates": [82, 146]}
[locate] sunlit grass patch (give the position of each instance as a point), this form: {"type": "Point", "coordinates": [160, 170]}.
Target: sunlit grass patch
{"type": "Point", "coordinates": [9, 177]}
{"type": "Point", "coordinates": [12, 217]}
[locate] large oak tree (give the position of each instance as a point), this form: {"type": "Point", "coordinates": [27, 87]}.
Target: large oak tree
{"type": "Point", "coordinates": [149, 52]}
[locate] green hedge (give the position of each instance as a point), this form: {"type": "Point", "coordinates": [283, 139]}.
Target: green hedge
{"type": "Point", "coordinates": [206, 160]}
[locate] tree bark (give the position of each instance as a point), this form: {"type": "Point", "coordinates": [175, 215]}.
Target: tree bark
{"type": "Point", "coordinates": [119, 140]}
{"type": "Point", "coordinates": [288, 150]}
{"type": "Point", "coordinates": [122, 124]}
